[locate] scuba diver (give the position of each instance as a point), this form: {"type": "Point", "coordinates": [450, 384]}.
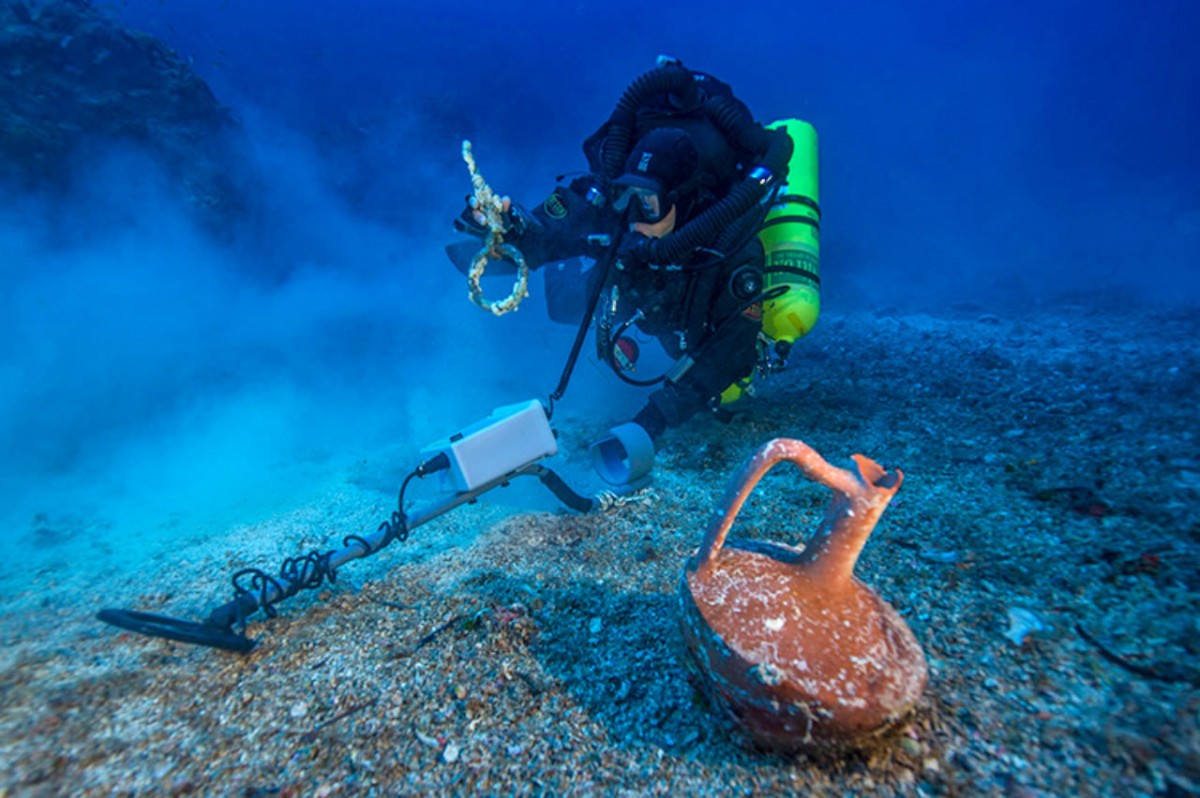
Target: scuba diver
{"type": "Point", "coordinates": [680, 179]}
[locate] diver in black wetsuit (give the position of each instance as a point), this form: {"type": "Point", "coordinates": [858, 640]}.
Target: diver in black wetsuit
{"type": "Point", "coordinates": [670, 208]}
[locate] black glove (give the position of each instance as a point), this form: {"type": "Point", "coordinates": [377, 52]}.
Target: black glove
{"type": "Point", "coordinates": [651, 419]}
{"type": "Point", "coordinates": [516, 221]}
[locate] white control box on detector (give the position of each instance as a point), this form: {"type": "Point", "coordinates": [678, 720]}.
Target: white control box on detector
{"type": "Point", "coordinates": [511, 437]}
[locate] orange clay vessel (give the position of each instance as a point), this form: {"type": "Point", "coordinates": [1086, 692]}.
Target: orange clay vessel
{"type": "Point", "coordinates": [792, 645]}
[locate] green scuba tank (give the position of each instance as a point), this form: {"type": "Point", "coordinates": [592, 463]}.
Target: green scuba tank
{"type": "Point", "coordinates": [791, 236]}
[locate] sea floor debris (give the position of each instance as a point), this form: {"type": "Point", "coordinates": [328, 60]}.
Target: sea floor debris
{"type": "Point", "coordinates": [552, 664]}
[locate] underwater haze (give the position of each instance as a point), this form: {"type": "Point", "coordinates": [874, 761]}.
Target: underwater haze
{"type": "Point", "coordinates": [230, 328]}
{"type": "Point", "coordinates": [1000, 159]}
{"type": "Point", "coordinates": [1017, 152]}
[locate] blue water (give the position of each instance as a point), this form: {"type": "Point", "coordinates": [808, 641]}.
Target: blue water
{"type": "Point", "coordinates": [1000, 159]}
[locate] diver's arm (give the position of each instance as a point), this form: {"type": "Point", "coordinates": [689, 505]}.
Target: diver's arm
{"type": "Point", "coordinates": [727, 333]}
{"type": "Point", "coordinates": [565, 225]}
{"type": "Point", "coordinates": [729, 357]}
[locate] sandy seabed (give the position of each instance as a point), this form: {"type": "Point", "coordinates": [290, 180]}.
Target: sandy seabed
{"type": "Point", "coordinates": [1045, 549]}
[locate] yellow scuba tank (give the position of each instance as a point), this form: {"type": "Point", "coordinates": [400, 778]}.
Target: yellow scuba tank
{"type": "Point", "coordinates": [791, 238]}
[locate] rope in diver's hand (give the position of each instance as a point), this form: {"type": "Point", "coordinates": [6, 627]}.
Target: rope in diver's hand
{"type": "Point", "coordinates": [485, 202]}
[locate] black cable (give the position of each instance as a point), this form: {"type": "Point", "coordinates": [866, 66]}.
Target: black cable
{"type": "Point", "coordinates": [563, 491]}
{"type": "Point", "coordinates": [584, 324]}
{"type": "Point", "coordinates": [616, 369]}
{"type": "Point", "coordinates": [307, 571]}
{"type": "Point", "coordinates": [310, 571]}
{"type": "Point", "coordinates": [763, 296]}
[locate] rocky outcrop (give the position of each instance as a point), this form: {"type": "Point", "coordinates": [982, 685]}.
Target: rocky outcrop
{"type": "Point", "coordinates": [73, 80]}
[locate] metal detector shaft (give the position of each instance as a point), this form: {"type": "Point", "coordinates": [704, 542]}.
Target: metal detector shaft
{"type": "Point", "coordinates": [218, 631]}
{"type": "Point", "coordinates": [243, 606]}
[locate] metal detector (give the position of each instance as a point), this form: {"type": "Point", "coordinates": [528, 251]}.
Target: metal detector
{"type": "Point", "coordinates": [486, 455]}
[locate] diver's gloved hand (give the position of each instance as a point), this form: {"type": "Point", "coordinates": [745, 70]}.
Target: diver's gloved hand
{"type": "Point", "coordinates": [633, 251]}
{"type": "Point", "coordinates": [514, 219]}
{"type": "Point", "coordinates": [471, 221]}
{"type": "Point", "coordinates": [651, 419]}
{"type": "Point", "coordinates": [517, 221]}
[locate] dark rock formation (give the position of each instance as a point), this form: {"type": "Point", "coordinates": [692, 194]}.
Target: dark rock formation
{"type": "Point", "coordinates": [72, 81]}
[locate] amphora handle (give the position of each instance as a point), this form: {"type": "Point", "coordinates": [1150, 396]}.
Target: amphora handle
{"type": "Point", "coordinates": [859, 500]}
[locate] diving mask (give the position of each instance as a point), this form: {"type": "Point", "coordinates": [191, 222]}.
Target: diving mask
{"type": "Point", "coordinates": [644, 204]}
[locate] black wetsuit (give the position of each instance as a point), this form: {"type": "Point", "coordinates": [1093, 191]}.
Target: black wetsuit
{"type": "Point", "coordinates": [697, 313]}
{"type": "Point", "coordinates": [701, 306]}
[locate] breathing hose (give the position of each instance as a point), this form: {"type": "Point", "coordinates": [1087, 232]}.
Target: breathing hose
{"type": "Point", "coordinates": [745, 195]}
{"type": "Point", "coordinates": [618, 142]}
